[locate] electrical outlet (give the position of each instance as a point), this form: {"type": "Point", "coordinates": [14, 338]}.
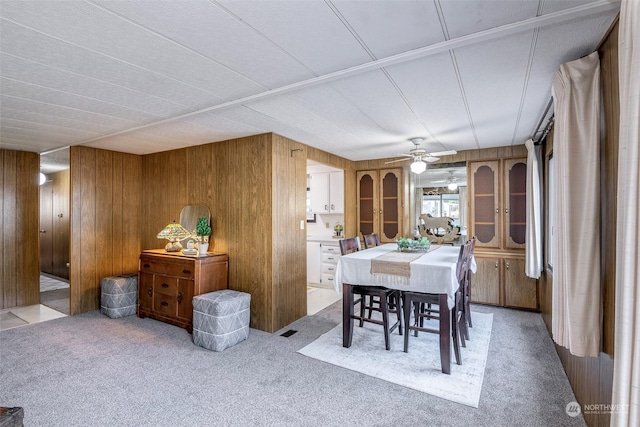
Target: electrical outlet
{"type": "Point", "coordinates": [327, 224]}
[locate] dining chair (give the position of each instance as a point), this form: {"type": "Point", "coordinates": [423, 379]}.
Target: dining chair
{"type": "Point", "coordinates": [467, 284]}
{"type": "Point", "coordinates": [383, 295]}
{"type": "Point", "coordinates": [422, 306]}
{"type": "Point", "coordinates": [371, 240]}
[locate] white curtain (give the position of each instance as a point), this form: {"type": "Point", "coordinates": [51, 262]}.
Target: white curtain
{"type": "Point", "coordinates": [626, 371]}
{"type": "Point", "coordinates": [533, 248]}
{"type": "Point", "coordinates": [576, 306]}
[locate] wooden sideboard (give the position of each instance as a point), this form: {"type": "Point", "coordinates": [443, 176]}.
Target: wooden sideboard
{"type": "Point", "coordinates": [168, 282]}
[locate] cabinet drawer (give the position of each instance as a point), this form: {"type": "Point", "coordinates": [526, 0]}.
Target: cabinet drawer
{"type": "Point", "coordinates": [184, 270]}
{"type": "Point", "coordinates": [165, 304]}
{"type": "Point", "coordinates": [330, 258]}
{"type": "Point", "coordinates": [328, 279]}
{"type": "Point", "coordinates": [165, 285]}
{"type": "Point", "coordinates": [327, 249]}
{"type": "Point", "coordinates": [329, 269]}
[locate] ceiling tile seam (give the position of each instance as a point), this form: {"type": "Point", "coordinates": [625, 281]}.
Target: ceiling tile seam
{"type": "Point", "coordinates": [525, 85]}
{"type": "Point", "coordinates": [465, 101]}
{"type": "Point", "coordinates": [287, 124]}
{"type": "Point", "coordinates": [263, 36]}
{"type": "Point", "coordinates": [490, 34]}
{"type": "Point", "coordinates": [349, 28]}
{"type": "Point", "coordinates": [410, 107]}
{"type": "Point", "coordinates": [112, 58]}
{"type": "Point", "coordinates": [68, 108]}
{"type": "Point", "coordinates": [44, 124]}
{"type": "Point", "coordinates": [443, 23]}
{"type": "Point", "coordinates": [357, 107]}
{"type": "Point", "coordinates": [94, 79]}
{"type": "Point", "coordinates": [81, 96]}
{"type": "Point", "coordinates": [19, 129]}
{"type": "Point", "coordinates": [82, 122]}
{"type": "Point", "coordinates": [176, 43]}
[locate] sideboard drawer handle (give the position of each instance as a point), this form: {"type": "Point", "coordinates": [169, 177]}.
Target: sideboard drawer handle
{"type": "Point", "coordinates": [179, 297]}
{"type": "Point", "coordinates": [150, 291]}
{"type": "Point", "coordinates": [164, 303]}
{"type": "Point", "coordinates": [186, 271]}
{"type": "Point", "coordinates": [164, 285]}
{"type": "Point", "coordinates": [146, 265]}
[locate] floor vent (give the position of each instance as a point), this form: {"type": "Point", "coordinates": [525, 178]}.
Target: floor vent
{"type": "Point", "coordinates": [288, 333]}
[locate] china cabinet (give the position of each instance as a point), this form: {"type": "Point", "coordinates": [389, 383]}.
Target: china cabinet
{"type": "Point", "coordinates": [380, 203]}
{"type": "Point", "coordinates": [497, 218]}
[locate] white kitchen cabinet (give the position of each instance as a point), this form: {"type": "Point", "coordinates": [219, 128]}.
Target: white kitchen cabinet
{"type": "Point", "coordinates": [327, 192]}
{"type": "Point", "coordinates": [322, 260]}
{"type": "Point", "coordinates": [314, 262]}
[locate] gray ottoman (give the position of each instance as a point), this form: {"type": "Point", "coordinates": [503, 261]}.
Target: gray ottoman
{"type": "Point", "coordinates": [220, 319]}
{"type": "Point", "coordinates": [119, 295]}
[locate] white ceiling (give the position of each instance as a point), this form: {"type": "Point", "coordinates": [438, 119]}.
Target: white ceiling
{"type": "Point", "coordinates": [354, 78]}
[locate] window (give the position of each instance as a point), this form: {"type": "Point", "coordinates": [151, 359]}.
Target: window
{"type": "Point", "coordinates": [442, 205]}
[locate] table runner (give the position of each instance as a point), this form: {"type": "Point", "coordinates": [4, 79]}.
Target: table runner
{"type": "Point", "coordinates": [396, 264]}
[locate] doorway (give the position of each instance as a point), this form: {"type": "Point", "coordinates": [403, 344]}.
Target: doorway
{"type": "Point", "coordinates": [55, 189]}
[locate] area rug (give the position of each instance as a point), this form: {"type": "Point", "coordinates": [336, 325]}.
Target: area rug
{"type": "Point", "coordinates": [419, 369]}
{"type": "Point", "coordinates": [50, 284]}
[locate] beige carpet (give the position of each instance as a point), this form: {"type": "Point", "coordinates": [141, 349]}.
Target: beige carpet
{"type": "Point", "coordinates": [419, 369]}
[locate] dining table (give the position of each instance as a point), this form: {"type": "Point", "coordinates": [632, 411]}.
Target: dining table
{"type": "Point", "coordinates": [429, 272]}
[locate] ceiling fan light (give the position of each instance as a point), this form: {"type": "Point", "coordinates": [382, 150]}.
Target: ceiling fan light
{"type": "Point", "coordinates": [418, 166]}
{"type": "Point", "coordinates": [452, 186]}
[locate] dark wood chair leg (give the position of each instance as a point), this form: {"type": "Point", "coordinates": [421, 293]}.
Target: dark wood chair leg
{"type": "Point", "coordinates": [445, 334]}
{"type": "Point", "coordinates": [384, 305]}
{"type": "Point", "coordinates": [406, 307]}
{"type": "Point", "coordinates": [363, 303]}
{"type": "Point", "coordinates": [398, 306]}
{"type": "Point", "coordinates": [454, 336]}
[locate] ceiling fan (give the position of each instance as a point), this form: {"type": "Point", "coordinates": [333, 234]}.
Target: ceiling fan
{"type": "Point", "coordinates": [420, 156]}
{"type": "Point", "coordinates": [451, 181]}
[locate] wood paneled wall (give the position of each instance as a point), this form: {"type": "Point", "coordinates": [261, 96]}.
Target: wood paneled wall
{"type": "Point", "coordinates": [106, 205]}
{"type": "Point", "coordinates": [19, 249]}
{"type": "Point", "coordinates": [255, 188]}
{"type": "Point", "coordinates": [592, 377]}
{"type": "Point", "coordinates": [289, 255]}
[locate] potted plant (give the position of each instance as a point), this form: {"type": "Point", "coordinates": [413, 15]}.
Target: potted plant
{"type": "Point", "coordinates": [338, 229]}
{"type": "Point", "coordinates": [203, 231]}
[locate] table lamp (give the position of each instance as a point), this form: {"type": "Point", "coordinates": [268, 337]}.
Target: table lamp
{"type": "Point", "coordinates": [173, 232]}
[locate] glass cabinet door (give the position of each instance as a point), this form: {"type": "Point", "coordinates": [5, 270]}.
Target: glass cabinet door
{"type": "Point", "coordinates": [515, 210]}
{"type": "Point", "coordinates": [485, 203]}
{"type": "Point", "coordinates": [367, 204]}
{"type": "Point", "coordinates": [391, 212]}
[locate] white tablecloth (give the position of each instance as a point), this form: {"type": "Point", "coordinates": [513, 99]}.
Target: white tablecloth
{"type": "Point", "coordinates": [432, 273]}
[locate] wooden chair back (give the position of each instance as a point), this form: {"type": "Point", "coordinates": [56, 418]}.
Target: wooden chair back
{"type": "Point", "coordinates": [371, 240]}
{"type": "Point", "coordinates": [349, 245]}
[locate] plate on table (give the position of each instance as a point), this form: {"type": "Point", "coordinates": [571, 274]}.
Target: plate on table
{"type": "Point", "coordinates": [189, 252]}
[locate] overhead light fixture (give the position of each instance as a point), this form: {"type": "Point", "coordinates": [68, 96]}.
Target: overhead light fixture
{"type": "Point", "coordinates": [43, 178]}
{"type": "Point", "coordinates": [452, 186]}
{"type": "Point", "coordinates": [418, 166]}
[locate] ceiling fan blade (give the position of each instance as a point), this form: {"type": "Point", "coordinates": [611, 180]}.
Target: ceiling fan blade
{"type": "Point", "coordinates": [430, 159]}
{"type": "Point", "coordinates": [397, 160]}
{"type": "Point", "coordinates": [444, 153]}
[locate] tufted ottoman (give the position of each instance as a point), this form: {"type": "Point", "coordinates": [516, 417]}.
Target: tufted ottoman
{"type": "Point", "coordinates": [220, 319]}
{"type": "Point", "coordinates": [119, 295]}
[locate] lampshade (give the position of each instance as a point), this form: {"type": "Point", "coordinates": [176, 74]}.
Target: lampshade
{"type": "Point", "coordinates": [418, 166]}
{"type": "Point", "coordinates": [452, 186]}
{"type": "Point", "coordinates": [173, 232]}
